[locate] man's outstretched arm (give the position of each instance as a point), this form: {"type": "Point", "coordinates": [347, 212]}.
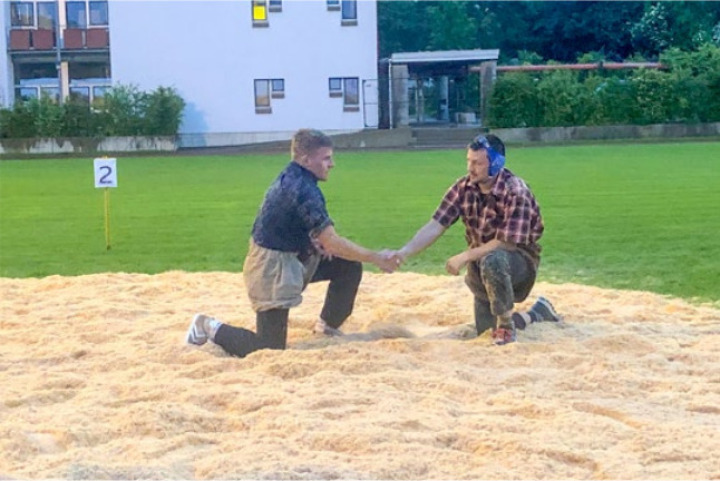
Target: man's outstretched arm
{"type": "Point", "coordinates": [423, 239]}
{"type": "Point", "coordinates": [336, 245]}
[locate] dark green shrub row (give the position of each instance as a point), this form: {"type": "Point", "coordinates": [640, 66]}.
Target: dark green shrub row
{"type": "Point", "coordinates": [124, 111]}
{"type": "Point", "coordinates": [687, 91]}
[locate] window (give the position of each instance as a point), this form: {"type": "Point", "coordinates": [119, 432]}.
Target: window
{"type": "Point", "coordinates": [76, 15]}
{"type": "Point", "coordinates": [347, 88]}
{"type": "Point", "coordinates": [46, 15]}
{"type": "Point", "coordinates": [22, 14]}
{"type": "Point", "coordinates": [26, 93]}
{"type": "Point", "coordinates": [262, 97]}
{"type": "Point", "coordinates": [266, 89]}
{"type": "Point", "coordinates": [278, 88]}
{"type": "Point", "coordinates": [333, 4]}
{"type": "Point", "coordinates": [349, 12]}
{"type": "Point", "coordinates": [336, 87]}
{"type": "Point", "coordinates": [98, 13]}
{"type": "Point", "coordinates": [80, 94]}
{"type": "Point", "coordinates": [98, 95]}
{"type": "Point", "coordinates": [51, 92]}
{"type": "Point", "coordinates": [352, 94]}
{"type": "Point", "coordinates": [81, 14]}
{"type": "Point", "coordinates": [259, 13]}
{"type": "Point", "coordinates": [275, 5]}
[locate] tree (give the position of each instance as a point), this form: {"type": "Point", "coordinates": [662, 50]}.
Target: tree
{"type": "Point", "coordinates": [560, 31]}
{"type": "Point", "coordinates": [651, 34]}
{"type": "Point", "coordinates": [452, 26]}
{"type": "Point", "coordinates": [402, 27]}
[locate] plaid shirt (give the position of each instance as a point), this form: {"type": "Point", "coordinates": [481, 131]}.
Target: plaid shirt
{"type": "Point", "coordinates": [292, 212]}
{"type": "Point", "coordinates": [508, 213]}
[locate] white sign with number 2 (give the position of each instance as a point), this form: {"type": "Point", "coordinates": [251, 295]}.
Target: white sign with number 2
{"type": "Point", "coordinates": [105, 173]}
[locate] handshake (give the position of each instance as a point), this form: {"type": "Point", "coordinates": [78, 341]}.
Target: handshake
{"type": "Point", "coordinates": [388, 260]}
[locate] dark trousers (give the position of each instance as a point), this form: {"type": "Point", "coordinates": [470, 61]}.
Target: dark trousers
{"type": "Point", "coordinates": [498, 281]}
{"type": "Point", "coordinates": [271, 326]}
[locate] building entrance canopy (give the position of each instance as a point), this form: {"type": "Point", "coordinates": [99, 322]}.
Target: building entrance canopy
{"type": "Point", "coordinates": [432, 86]}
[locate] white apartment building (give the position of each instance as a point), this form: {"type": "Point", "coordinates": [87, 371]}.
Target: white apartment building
{"type": "Point", "coordinates": [248, 70]}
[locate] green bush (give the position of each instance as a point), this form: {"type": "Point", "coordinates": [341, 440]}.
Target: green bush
{"type": "Point", "coordinates": [688, 90]}
{"type": "Point", "coordinates": [616, 102]}
{"type": "Point", "coordinates": [563, 99]}
{"type": "Point", "coordinates": [125, 111]}
{"type": "Point", "coordinates": [78, 119]}
{"type": "Point", "coordinates": [163, 112]}
{"type": "Point", "coordinates": [18, 122]}
{"type": "Point", "coordinates": [47, 116]}
{"type": "Point", "coordinates": [514, 102]}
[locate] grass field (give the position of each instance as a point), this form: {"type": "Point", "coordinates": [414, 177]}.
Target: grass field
{"type": "Point", "coordinates": [637, 216]}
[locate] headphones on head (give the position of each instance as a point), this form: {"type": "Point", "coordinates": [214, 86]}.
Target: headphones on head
{"type": "Point", "coordinates": [496, 159]}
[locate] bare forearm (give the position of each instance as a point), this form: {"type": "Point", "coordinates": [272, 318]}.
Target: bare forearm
{"type": "Point", "coordinates": [457, 262]}
{"type": "Point", "coordinates": [423, 238]}
{"type": "Point", "coordinates": [345, 248]}
{"type": "Point", "coordinates": [336, 245]}
{"type": "Point", "coordinates": [479, 252]}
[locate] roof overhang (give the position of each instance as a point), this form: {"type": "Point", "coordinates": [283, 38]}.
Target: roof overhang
{"type": "Point", "coordinates": [443, 62]}
{"type": "Point", "coordinates": [442, 56]}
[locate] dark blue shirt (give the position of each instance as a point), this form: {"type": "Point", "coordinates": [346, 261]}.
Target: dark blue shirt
{"type": "Point", "coordinates": [292, 212]}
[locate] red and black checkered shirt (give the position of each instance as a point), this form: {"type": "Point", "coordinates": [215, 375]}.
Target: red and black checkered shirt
{"type": "Point", "coordinates": [508, 213]}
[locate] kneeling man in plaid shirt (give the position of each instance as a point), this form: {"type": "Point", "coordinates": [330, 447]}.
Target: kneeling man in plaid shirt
{"type": "Point", "coordinates": [502, 228]}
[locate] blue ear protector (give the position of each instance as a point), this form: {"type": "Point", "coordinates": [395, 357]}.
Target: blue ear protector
{"type": "Point", "coordinates": [497, 160]}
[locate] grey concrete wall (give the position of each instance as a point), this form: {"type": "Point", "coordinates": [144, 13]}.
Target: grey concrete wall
{"type": "Point", "coordinates": [86, 145]}
{"type": "Point", "coordinates": [375, 139]}
{"type": "Point", "coordinates": [609, 132]}
{"type": "Point", "coordinates": [362, 139]}
{"type": "Point", "coordinates": [280, 142]}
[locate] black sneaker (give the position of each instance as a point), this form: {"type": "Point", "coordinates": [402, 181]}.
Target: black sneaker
{"type": "Point", "coordinates": [545, 310]}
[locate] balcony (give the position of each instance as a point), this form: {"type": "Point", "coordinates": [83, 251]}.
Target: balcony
{"type": "Point", "coordinates": [28, 45]}
{"type": "Point", "coordinates": [74, 39]}
{"type": "Point", "coordinates": [92, 38]}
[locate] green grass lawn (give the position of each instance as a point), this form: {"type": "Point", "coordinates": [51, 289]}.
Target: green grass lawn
{"type": "Point", "coordinates": [635, 216]}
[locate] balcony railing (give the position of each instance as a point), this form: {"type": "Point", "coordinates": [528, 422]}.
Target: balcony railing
{"type": "Point", "coordinates": [73, 39]}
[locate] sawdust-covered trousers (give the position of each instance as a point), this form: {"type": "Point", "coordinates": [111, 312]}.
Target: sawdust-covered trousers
{"type": "Point", "coordinates": [498, 281]}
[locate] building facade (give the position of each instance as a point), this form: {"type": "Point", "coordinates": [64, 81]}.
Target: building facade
{"type": "Point", "coordinates": [248, 70]}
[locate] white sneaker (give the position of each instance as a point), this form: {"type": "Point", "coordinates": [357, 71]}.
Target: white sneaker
{"type": "Point", "coordinates": [322, 328]}
{"type": "Point", "coordinates": [196, 333]}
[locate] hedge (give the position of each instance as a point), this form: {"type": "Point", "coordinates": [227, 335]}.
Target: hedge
{"type": "Point", "coordinates": [125, 111]}
{"type": "Point", "coordinates": [687, 90]}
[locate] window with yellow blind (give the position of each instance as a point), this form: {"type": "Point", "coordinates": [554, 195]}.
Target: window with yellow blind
{"type": "Point", "coordinates": [259, 13]}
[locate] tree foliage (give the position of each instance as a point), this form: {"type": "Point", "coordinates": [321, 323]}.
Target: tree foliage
{"type": "Point", "coordinates": [560, 31]}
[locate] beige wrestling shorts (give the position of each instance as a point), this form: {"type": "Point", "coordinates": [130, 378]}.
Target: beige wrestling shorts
{"type": "Point", "coordinates": [276, 279]}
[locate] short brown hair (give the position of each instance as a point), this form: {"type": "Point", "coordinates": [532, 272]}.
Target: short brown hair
{"type": "Point", "coordinates": [307, 141]}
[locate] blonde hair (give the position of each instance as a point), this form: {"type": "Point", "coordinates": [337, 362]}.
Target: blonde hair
{"type": "Point", "coordinates": [307, 141]}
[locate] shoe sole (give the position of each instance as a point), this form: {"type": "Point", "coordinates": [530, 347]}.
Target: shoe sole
{"type": "Point", "coordinates": [329, 332]}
